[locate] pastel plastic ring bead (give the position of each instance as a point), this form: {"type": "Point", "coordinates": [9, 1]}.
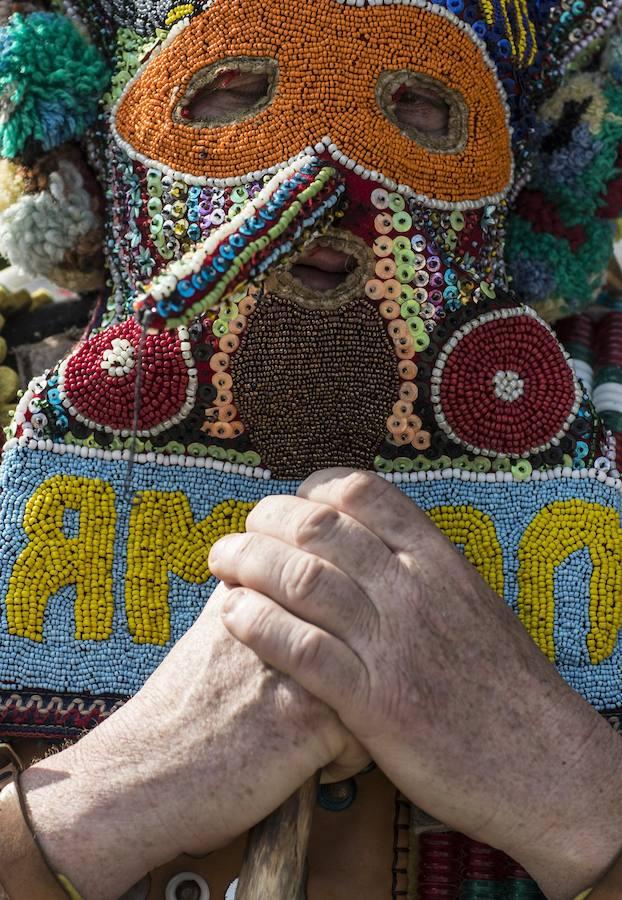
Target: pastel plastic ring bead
{"type": "Point", "coordinates": [422, 342]}
{"type": "Point", "coordinates": [177, 880]}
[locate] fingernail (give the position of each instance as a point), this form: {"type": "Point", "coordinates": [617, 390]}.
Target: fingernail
{"type": "Point", "coordinates": [214, 555]}
{"type": "Point", "coordinates": [217, 551]}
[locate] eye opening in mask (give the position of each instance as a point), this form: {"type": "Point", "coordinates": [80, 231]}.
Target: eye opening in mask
{"type": "Point", "coordinates": [424, 109]}
{"type": "Point", "coordinates": [228, 91]}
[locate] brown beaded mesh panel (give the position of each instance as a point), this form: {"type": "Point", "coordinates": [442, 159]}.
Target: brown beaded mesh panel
{"type": "Point", "coordinates": [316, 387]}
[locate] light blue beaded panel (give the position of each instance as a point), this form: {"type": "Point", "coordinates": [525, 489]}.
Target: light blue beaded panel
{"type": "Point", "coordinates": [570, 599]}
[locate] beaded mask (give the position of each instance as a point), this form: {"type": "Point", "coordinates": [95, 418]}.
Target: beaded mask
{"type": "Point", "coordinates": [302, 273]}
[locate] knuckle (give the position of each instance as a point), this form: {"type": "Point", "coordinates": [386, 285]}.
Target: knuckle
{"type": "Point", "coordinates": [306, 650]}
{"type": "Point", "coordinates": [256, 630]}
{"type": "Point", "coordinates": [304, 574]}
{"type": "Point", "coordinates": [361, 487]}
{"type": "Point", "coordinates": [315, 526]}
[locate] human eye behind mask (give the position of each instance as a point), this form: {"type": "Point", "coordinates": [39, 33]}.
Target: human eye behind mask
{"type": "Point", "coordinates": [225, 100]}
{"type": "Point", "coordinates": [235, 90]}
{"type": "Point", "coordinates": [232, 90]}
{"type": "Point", "coordinates": [424, 109]}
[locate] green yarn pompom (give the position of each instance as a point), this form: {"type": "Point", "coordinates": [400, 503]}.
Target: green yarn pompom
{"type": "Point", "coordinates": [51, 79]}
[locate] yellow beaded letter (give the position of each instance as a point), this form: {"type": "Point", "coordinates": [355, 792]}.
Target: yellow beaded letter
{"type": "Point", "coordinates": [556, 532]}
{"type": "Point", "coordinates": [475, 531]}
{"type": "Point", "coordinates": [164, 538]}
{"type": "Point", "coordinates": [52, 560]}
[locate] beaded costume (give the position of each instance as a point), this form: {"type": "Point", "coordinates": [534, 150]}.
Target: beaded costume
{"type": "Point", "coordinates": [210, 377]}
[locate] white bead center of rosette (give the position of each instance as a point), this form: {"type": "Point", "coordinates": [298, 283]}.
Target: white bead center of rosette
{"type": "Point", "coordinates": [508, 385]}
{"type": "Point", "coordinates": [119, 359]}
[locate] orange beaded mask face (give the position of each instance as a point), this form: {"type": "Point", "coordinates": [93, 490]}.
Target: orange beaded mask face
{"type": "Point", "coordinates": [331, 72]}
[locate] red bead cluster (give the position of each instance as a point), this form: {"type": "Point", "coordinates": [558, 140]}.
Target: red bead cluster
{"type": "Point", "coordinates": [440, 866]}
{"type": "Point", "coordinates": [470, 407]}
{"type": "Point", "coordinates": [105, 397]}
{"type": "Point", "coordinates": [449, 863]}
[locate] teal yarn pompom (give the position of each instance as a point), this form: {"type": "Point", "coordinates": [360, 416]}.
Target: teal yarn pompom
{"type": "Point", "coordinates": [51, 79]}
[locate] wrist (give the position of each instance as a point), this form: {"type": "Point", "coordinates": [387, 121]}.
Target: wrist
{"type": "Point", "coordinates": [582, 837]}
{"type": "Point", "coordinates": [91, 821]}
{"type": "Point", "coordinates": [25, 873]}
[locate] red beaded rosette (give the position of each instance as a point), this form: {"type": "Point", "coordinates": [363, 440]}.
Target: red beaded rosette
{"type": "Point", "coordinates": [98, 381]}
{"type": "Point", "coordinates": [502, 385]}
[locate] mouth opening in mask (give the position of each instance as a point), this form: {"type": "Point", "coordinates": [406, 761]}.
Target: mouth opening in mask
{"type": "Point", "coordinates": [323, 266]}
{"type": "Point", "coordinates": [331, 270]}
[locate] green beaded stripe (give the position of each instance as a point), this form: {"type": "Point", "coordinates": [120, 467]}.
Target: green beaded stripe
{"type": "Point", "coordinates": [582, 352]}
{"type": "Point", "coordinates": [608, 373]}
{"type": "Point", "coordinates": [508, 889]}
{"type": "Point", "coordinates": [612, 418]}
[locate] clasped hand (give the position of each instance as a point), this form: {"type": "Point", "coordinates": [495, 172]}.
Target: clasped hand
{"type": "Point", "coordinates": [346, 626]}
{"type": "Point", "coordinates": [349, 589]}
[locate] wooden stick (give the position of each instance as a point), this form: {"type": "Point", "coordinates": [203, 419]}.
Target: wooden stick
{"type": "Point", "coordinates": [274, 863]}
